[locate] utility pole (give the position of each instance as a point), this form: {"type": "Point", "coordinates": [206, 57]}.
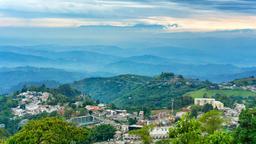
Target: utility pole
{"type": "Point", "coordinates": [172, 105]}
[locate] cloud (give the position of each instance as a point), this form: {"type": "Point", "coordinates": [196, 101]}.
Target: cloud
{"type": "Point", "coordinates": [205, 24]}
{"type": "Point", "coordinates": [187, 15]}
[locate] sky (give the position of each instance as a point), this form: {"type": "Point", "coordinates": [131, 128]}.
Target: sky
{"type": "Point", "coordinates": [173, 15]}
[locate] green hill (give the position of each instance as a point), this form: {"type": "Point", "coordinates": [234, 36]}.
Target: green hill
{"type": "Point", "coordinates": [139, 91]}
{"type": "Point", "coordinates": [108, 89]}
{"type": "Point", "coordinates": [244, 81]}
{"type": "Point", "coordinates": [212, 92]}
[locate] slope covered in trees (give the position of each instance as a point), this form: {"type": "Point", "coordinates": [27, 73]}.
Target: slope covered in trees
{"type": "Point", "coordinates": [139, 91]}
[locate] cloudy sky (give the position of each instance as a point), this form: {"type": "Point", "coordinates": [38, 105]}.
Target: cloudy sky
{"type": "Point", "coordinates": [186, 15]}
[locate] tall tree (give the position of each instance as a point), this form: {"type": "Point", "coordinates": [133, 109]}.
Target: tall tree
{"type": "Point", "coordinates": [186, 131]}
{"type": "Point", "coordinates": [211, 121]}
{"type": "Point", "coordinates": [50, 131]}
{"type": "Point", "coordinates": [144, 134]}
{"type": "Point", "coordinates": [207, 107]}
{"type": "Point", "coordinates": [103, 133]}
{"type": "Point", "coordinates": [219, 137]}
{"type": "Point", "coordinates": [246, 131]}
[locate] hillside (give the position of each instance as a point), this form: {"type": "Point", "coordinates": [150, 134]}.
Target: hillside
{"type": "Point", "coordinates": [244, 81]}
{"type": "Point", "coordinates": [108, 89]}
{"type": "Point", "coordinates": [139, 91]}
{"type": "Point", "coordinates": [237, 91]}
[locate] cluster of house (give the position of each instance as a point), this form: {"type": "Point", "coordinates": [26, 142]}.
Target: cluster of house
{"type": "Point", "coordinates": [33, 103]}
{"type": "Point", "coordinates": [233, 114]}
{"type": "Point", "coordinates": [250, 88]}
{"type": "Point", "coordinates": [119, 118]}
{"type": "Point", "coordinates": [163, 120]}
{"type": "Point", "coordinates": [234, 86]}
{"type": "Point", "coordinates": [36, 102]}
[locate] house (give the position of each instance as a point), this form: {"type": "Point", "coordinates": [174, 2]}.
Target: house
{"type": "Point", "coordinates": [218, 105]}
{"type": "Point", "coordinates": [2, 125]}
{"type": "Point", "coordinates": [93, 108]}
{"type": "Point", "coordinates": [203, 101]}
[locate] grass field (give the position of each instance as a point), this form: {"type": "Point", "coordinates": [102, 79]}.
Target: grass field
{"type": "Point", "coordinates": [209, 93]}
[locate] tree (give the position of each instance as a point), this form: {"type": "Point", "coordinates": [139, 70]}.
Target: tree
{"type": "Point", "coordinates": [246, 131]}
{"type": "Point", "coordinates": [219, 137]}
{"type": "Point", "coordinates": [103, 133]}
{"type": "Point", "coordinates": [132, 121]}
{"type": "Point", "coordinates": [3, 134]}
{"type": "Point", "coordinates": [144, 134]}
{"type": "Point", "coordinates": [190, 131]}
{"type": "Point", "coordinates": [167, 141]}
{"type": "Point", "coordinates": [112, 106]}
{"type": "Point", "coordinates": [50, 130]}
{"type": "Point", "coordinates": [211, 121]}
{"type": "Point", "coordinates": [194, 110]}
{"type": "Point", "coordinates": [186, 131]}
{"type": "Point", "coordinates": [207, 107]}
{"type": "Point", "coordinates": [68, 91]}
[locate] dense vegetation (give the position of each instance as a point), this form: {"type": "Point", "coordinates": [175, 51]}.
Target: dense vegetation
{"type": "Point", "coordinates": [50, 130]}
{"type": "Point", "coordinates": [58, 131]}
{"type": "Point", "coordinates": [245, 81]}
{"type": "Point", "coordinates": [108, 89]}
{"type": "Point", "coordinates": [137, 91]}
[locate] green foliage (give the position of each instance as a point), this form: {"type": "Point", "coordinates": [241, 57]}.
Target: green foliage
{"type": "Point", "coordinates": [43, 115]}
{"type": "Point", "coordinates": [211, 121]}
{"type": "Point", "coordinates": [191, 131]}
{"type": "Point", "coordinates": [165, 76]}
{"type": "Point", "coordinates": [144, 134]}
{"type": "Point", "coordinates": [108, 89]}
{"type": "Point", "coordinates": [186, 131]}
{"type": "Point", "coordinates": [132, 121]}
{"type": "Point", "coordinates": [50, 130]}
{"type": "Point", "coordinates": [6, 103]}
{"type": "Point", "coordinates": [207, 107]}
{"type": "Point", "coordinates": [219, 137]}
{"type": "Point", "coordinates": [244, 81]}
{"type": "Point", "coordinates": [167, 141]}
{"type": "Point", "coordinates": [103, 133]}
{"type": "Point", "coordinates": [3, 133]}
{"type": "Point", "coordinates": [194, 110]}
{"type": "Point", "coordinates": [68, 91]}
{"type": "Point", "coordinates": [246, 131]}
{"type": "Point", "coordinates": [180, 102]}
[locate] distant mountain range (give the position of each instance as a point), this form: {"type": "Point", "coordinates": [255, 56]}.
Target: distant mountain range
{"type": "Point", "coordinates": [22, 64]}
{"type": "Point", "coordinates": [14, 78]}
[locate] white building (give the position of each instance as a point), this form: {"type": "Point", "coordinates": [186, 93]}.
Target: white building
{"type": "Point", "coordinates": [213, 102]}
